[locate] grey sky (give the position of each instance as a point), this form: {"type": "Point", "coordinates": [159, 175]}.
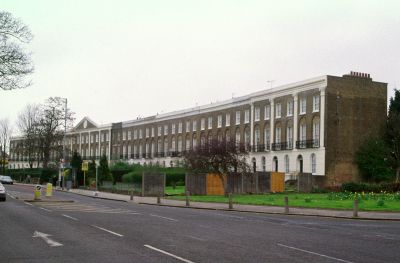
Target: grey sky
{"type": "Point", "coordinates": [115, 60]}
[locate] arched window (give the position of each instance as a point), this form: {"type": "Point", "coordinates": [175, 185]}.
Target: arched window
{"type": "Point", "coordinates": [173, 146]}
{"type": "Point", "coordinates": [247, 138]}
{"type": "Point", "coordinates": [237, 137]}
{"type": "Point", "coordinates": [152, 148]}
{"type": "Point", "coordinates": [253, 161]}
{"type": "Point", "coordinates": [159, 146]}
{"type": "Point", "coordinates": [275, 163]}
{"type": "Point", "coordinates": [289, 135]}
{"type": "Point", "coordinates": [166, 148]}
{"type": "Point", "coordinates": [286, 164]}
{"type": "Point", "coordinates": [202, 140]}
{"type": "Point", "coordinates": [227, 136]}
{"type": "Point", "coordinates": [194, 141]}
{"type": "Point", "coordinates": [219, 136]}
{"type": "Point", "coordinates": [256, 138]}
{"type": "Point", "coordinates": [263, 162]}
{"type": "Point", "coordinates": [300, 164]}
{"type": "Point", "coordinates": [313, 163]}
{"type": "Point", "coordinates": [267, 137]}
{"type": "Point", "coordinates": [187, 146]}
{"type": "Point", "coordinates": [302, 133]}
{"type": "Point", "coordinates": [179, 143]}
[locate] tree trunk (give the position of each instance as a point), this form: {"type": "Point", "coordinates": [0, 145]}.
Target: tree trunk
{"type": "Point", "coordinates": [398, 174]}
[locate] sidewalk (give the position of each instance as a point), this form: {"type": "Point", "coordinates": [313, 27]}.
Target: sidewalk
{"type": "Point", "coordinates": [242, 208]}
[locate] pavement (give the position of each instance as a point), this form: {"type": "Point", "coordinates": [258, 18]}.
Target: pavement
{"type": "Point", "coordinates": [394, 216]}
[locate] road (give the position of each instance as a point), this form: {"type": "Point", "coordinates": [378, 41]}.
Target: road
{"type": "Point", "coordinates": [96, 230]}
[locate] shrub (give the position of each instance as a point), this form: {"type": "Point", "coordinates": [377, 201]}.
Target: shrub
{"type": "Point", "coordinates": [380, 202]}
{"type": "Point", "coordinates": [307, 200]}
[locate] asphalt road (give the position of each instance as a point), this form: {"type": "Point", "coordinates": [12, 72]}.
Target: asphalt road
{"type": "Point", "coordinates": [96, 230]}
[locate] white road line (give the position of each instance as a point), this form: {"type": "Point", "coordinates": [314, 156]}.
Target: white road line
{"type": "Point", "coordinates": [169, 254]}
{"type": "Point", "coordinates": [45, 209]}
{"type": "Point", "coordinates": [28, 203]}
{"type": "Point", "coordinates": [70, 217]}
{"type": "Point", "coordinates": [11, 196]}
{"type": "Point", "coordinates": [168, 218]}
{"type": "Point", "coordinates": [314, 253]}
{"type": "Point", "coordinates": [111, 232]}
{"type": "Point", "coordinates": [197, 238]}
{"type": "Point", "coordinates": [46, 238]}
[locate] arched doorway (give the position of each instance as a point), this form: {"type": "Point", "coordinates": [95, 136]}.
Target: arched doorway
{"type": "Point", "coordinates": [300, 164]}
{"type": "Point", "coordinates": [253, 161]}
{"type": "Point", "coordinates": [275, 163]}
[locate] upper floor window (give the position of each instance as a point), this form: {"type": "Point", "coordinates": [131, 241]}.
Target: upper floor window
{"type": "Point", "coordinates": [180, 127]}
{"type": "Point", "coordinates": [129, 135]}
{"type": "Point", "coordinates": [316, 103]}
{"type": "Point", "coordinates": [147, 133]}
{"type": "Point", "coordinates": [140, 133]}
{"type": "Point", "coordinates": [194, 125]}
{"type": "Point", "coordinates": [227, 120]}
{"type": "Point", "coordinates": [289, 109]}
{"type": "Point", "coordinates": [173, 128]}
{"type": "Point", "coordinates": [152, 131]}
{"type": "Point", "coordinates": [303, 105]}
{"type": "Point", "coordinates": [267, 112]}
{"type": "Point", "coordinates": [278, 110]}
{"type": "Point", "coordinates": [237, 117]}
{"type": "Point", "coordinates": [166, 129]}
{"type": "Point", "coordinates": [135, 134]}
{"type": "Point", "coordinates": [278, 134]}
{"type": "Point", "coordinates": [257, 113]}
{"type": "Point", "coordinates": [219, 121]}
{"type": "Point", "coordinates": [210, 122]}
{"type": "Point", "coordinates": [159, 128]}
{"type": "Point", "coordinates": [203, 123]}
{"type": "Point", "coordinates": [187, 126]}
{"type": "Point", "coordinates": [246, 116]}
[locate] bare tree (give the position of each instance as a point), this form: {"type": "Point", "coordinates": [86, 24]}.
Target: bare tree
{"type": "Point", "coordinates": [5, 132]}
{"type": "Point", "coordinates": [15, 63]}
{"type": "Point", "coordinates": [28, 121]}
{"type": "Point", "coordinates": [219, 157]}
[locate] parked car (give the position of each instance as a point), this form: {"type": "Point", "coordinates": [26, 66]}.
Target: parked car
{"type": "Point", "coordinates": [2, 193]}
{"type": "Point", "coordinates": [4, 179]}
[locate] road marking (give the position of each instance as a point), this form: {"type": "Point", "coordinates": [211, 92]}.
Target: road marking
{"type": "Point", "coordinates": [314, 253]}
{"type": "Point", "coordinates": [28, 203]}
{"type": "Point", "coordinates": [231, 216]}
{"type": "Point", "coordinates": [45, 209]}
{"type": "Point", "coordinates": [111, 232]}
{"type": "Point", "coordinates": [169, 254]}
{"type": "Point", "coordinates": [70, 217]}
{"type": "Point", "coordinates": [46, 238]}
{"type": "Point", "coordinates": [197, 238]}
{"type": "Point", "coordinates": [11, 196]}
{"type": "Point", "coordinates": [168, 218]}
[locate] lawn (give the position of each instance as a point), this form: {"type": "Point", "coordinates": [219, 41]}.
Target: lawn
{"type": "Point", "coordinates": [367, 202]}
{"type": "Point", "coordinates": [179, 190]}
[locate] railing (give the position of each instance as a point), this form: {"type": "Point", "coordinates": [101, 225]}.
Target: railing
{"type": "Point", "coordinates": [280, 146]}
{"type": "Point", "coordinates": [260, 147]}
{"type": "Point", "coordinates": [307, 144]}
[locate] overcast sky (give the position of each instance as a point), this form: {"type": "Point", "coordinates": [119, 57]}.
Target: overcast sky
{"type": "Point", "coordinates": [115, 60]}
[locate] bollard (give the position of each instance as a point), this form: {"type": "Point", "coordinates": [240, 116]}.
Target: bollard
{"type": "Point", "coordinates": [158, 200]}
{"type": "Point", "coordinates": [230, 201]}
{"type": "Point", "coordinates": [49, 190]}
{"type": "Point", "coordinates": [187, 198]}
{"type": "Point", "coordinates": [131, 194]}
{"type": "Point", "coordinates": [38, 192]}
{"type": "Point", "coordinates": [355, 208]}
{"type": "Point", "coordinates": [286, 205]}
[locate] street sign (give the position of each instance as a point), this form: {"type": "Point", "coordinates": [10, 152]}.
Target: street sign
{"type": "Point", "coordinates": [85, 166]}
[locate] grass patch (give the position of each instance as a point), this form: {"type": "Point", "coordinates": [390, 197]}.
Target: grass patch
{"type": "Point", "coordinates": [179, 190]}
{"type": "Point", "coordinates": [308, 200]}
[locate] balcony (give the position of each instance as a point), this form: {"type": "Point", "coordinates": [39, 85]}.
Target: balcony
{"type": "Point", "coordinates": [307, 144]}
{"type": "Point", "coordinates": [281, 146]}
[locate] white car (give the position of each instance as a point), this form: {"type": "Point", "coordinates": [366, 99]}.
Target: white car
{"type": "Point", "coordinates": [4, 179]}
{"type": "Point", "coordinates": [2, 193]}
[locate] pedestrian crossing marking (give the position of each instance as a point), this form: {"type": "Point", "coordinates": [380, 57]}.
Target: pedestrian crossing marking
{"type": "Point", "coordinates": [74, 207]}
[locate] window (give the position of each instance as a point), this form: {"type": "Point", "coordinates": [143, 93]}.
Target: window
{"type": "Point", "coordinates": [316, 132]}
{"type": "Point", "coordinates": [194, 125]}
{"type": "Point", "coordinates": [219, 124]}
{"type": "Point", "coordinates": [316, 103]}
{"type": "Point", "coordinates": [267, 112]}
{"type": "Point", "coordinates": [286, 164]}
{"type": "Point", "coordinates": [173, 144]}
{"type": "Point", "coordinates": [187, 143]}
{"type": "Point", "coordinates": [278, 134]}
{"type": "Point", "coordinates": [303, 105]}
{"type": "Point", "coordinates": [289, 109]}
{"type": "Point", "coordinates": [263, 162]}
{"type": "Point", "coordinates": [246, 116]}
{"type": "Point", "coordinates": [237, 136]}
{"type": "Point", "coordinates": [313, 163]}
{"type": "Point", "coordinates": [166, 129]}
{"type": "Point", "coordinates": [166, 148]}
{"type": "Point", "coordinates": [152, 131]}
{"type": "Point", "coordinates": [129, 151]}
{"type": "Point", "coordinates": [187, 126]}
{"type": "Point", "coordinates": [180, 127]}
{"type": "Point", "coordinates": [92, 138]}
{"type": "Point", "coordinates": [194, 141]}
{"type": "Point", "coordinates": [107, 137]}
{"type": "Point", "coordinates": [159, 131]}
{"type": "Point", "coordinates": [147, 133]}
{"type": "Point", "coordinates": [289, 137]}
{"type": "Point", "coordinates": [257, 113]}
{"type": "Point", "coordinates": [303, 130]}
{"type": "Point", "coordinates": [203, 124]}
{"type": "Point", "coordinates": [179, 144]}
{"type": "Point", "coordinates": [135, 134]}
{"type": "Point", "coordinates": [267, 137]}
{"type": "Point", "coordinates": [124, 150]}
{"type": "Point", "coordinates": [227, 120]}
{"type": "Point", "coordinates": [256, 137]}
{"type": "Point", "coordinates": [237, 117]}
{"type": "Point", "coordinates": [129, 135]}
{"type": "Point", "coordinates": [278, 110]}
{"type": "Point", "coordinates": [210, 122]}
{"type": "Point", "coordinates": [173, 128]}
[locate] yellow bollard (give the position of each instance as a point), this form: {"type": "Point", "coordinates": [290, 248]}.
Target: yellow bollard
{"type": "Point", "coordinates": [49, 190]}
{"type": "Point", "coordinates": [38, 192]}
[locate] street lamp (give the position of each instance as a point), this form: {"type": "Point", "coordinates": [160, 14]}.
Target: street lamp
{"type": "Point", "coordinates": [65, 133]}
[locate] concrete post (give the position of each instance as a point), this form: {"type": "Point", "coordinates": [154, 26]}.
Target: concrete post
{"type": "Point", "coordinates": [286, 205]}
{"type": "Point", "coordinates": [131, 194]}
{"type": "Point", "coordinates": [355, 208]}
{"type": "Point", "coordinates": [158, 200]}
{"type": "Point", "coordinates": [230, 201]}
{"type": "Point", "coordinates": [187, 198]}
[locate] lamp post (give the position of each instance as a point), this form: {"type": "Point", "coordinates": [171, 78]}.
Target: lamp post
{"type": "Point", "coordinates": [64, 138]}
